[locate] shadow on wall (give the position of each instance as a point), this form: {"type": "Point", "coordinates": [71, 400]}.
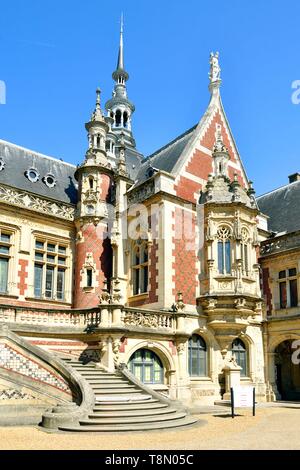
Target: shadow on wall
{"type": "Point", "coordinates": [90, 355]}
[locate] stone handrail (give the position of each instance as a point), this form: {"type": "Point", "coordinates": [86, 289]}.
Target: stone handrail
{"type": "Point", "coordinates": [63, 413]}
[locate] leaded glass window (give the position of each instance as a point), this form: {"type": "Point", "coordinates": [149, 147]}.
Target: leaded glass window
{"type": "Point", "coordinates": [224, 250]}
{"type": "Point", "coordinates": [239, 352]}
{"type": "Point", "coordinates": [146, 366]}
{"type": "Point", "coordinates": [197, 356]}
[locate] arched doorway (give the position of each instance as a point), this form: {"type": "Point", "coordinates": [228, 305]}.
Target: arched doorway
{"type": "Point", "coordinates": [146, 366]}
{"type": "Point", "coordinates": [287, 373]}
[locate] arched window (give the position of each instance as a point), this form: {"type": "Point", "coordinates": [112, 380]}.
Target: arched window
{"type": "Point", "coordinates": [146, 366]}
{"type": "Point", "coordinates": [239, 352]}
{"type": "Point", "coordinates": [91, 182]}
{"type": "Point", "coordinates": [118, 118]}
{"type": "Point", "coordinates": [224, 250]}
{"type": "Point", "coordinates": [245, 251]}
{"type": "Point", "coordinates": [140, 267]}
{"type": "Point", "coordinates": [125, 119]}
{"type": "Point", "coordinates": [197, 356]}
{"type": "Point", "coordinates": [98, 141]}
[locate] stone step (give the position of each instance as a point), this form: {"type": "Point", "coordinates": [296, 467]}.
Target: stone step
{"type": "Point", "coordinates": [118, 391]}
{"type": "Point", "coordinates": [186, 421]}
{"type": "Point", "coordinates": [148, 405]}
{"type": "Point", "coordinates": [123, 398]}
{"type": "Point", "coordinates": [98, 414]}
{"type": "Point", "coordinates": [132, 419]}
{"type": "Point", "coordinates": [102, 386]}
{"type": "Point", "coordinates": [97, 373]}
{"type": "Point", "coordinates": [95, 380]}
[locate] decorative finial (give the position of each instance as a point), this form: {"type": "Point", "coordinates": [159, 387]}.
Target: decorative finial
{"type": "Point", "coordinates": [220, 154]}
{"type": "Point", "coordinates": [97, 114]}
{"type": "Point", "coordinates": [98, 92]}
{"type": "Point", "coordinates": [215, 70]}
{"type": "Point", "coordinates": [219, 144]}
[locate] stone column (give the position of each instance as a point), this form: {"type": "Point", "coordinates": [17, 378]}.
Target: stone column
{"type": "Point", "coordinates": [183, 384]}
{"type": "Point", "coordinates": [108, 357]}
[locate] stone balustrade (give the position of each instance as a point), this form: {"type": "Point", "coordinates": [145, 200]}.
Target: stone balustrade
{"type": "Point", "coordinates": [105, 316]}
{"type": "Point", "coordinates": [280, 243]}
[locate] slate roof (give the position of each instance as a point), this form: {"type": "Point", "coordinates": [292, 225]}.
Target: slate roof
{"type": "Point", "coordinates": [18, 160]}
{"type": "Point", "coordinates": [283, 207]}
{"type": "Point", "coordinates": [166, 157]}
{"type": "Point", "coordinates": [133, 162]}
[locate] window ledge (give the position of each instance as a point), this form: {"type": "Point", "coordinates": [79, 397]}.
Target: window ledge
{"type": "Point", "coordinates": [287, 310]}
{"type": "Point", "coordinates": [47, 301]}
{"type": "Point", "coordinates": [225, 277]}
{"type": "Point", "coordinates": [138, 297]}
{"type": "Point", "coordinates": [9, 296]}
{"type": "Point", "coordinates": [88, 289]}
{"type": "Point", "coordinates": [200, 379]}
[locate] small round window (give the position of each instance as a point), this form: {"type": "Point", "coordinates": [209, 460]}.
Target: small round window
{"type": "Point", "coordinates": [50, 180]}
{"type": "Point", "coordinates": [32, 175]}
{"type": "Point", "coordinates": [2, 164]}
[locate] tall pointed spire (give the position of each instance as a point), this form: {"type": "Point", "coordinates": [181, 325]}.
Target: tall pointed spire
{"type": "Point", "coordinates": [119, 108]}
{"type": "Point", "coordinates": [120, 64]}
{"type": "Point", "coordinates": [120, 75]}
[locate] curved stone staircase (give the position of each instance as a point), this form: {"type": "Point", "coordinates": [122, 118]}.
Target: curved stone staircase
{"type": "Point", "coordinates": [122, 405]}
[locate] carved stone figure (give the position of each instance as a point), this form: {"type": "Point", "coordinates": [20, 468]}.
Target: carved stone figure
{"type": "Point", "coordinates": [215, 70]}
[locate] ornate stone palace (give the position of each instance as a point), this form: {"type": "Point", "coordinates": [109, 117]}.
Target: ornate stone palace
{"type": "Point", "coordinates": [164, 268]}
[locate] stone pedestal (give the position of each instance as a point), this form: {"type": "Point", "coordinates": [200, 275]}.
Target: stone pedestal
{"type": "Point", "coordinates": [232, 372]}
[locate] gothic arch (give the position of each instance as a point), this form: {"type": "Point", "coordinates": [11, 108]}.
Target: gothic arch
{"type": "Point", "coordinates": [162, 352]}
{"type": "Point", "coordinates": [211, 345]}
{"type": "Point", "coordinates": [250, 351]}
{"type": "Point", "coordinates": [278, 339]}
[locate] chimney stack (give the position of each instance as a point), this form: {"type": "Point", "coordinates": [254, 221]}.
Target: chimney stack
{"type": "Point", "coordinates": [294, 177]}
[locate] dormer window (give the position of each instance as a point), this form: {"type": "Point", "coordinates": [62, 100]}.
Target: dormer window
{"type": "Point", "coordinates": [33, 175]}
{"type": "Point", "coordinates": [49, 180]}
{"type": "Point", "coordinates": [2, 164]}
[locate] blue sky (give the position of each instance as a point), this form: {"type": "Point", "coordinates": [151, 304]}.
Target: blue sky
{"type": "Point", "coordinates": [53, 55]}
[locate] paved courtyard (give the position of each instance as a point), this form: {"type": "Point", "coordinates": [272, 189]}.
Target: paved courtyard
{"type": "Point", "coordinates": [274, 427]}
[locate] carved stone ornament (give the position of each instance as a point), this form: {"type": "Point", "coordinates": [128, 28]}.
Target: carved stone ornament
{"type": "Point", "coordinates": [240, 302]}
{"type": "Point", "coordinates": [215, 70]}
{"type": "Point", "coordinates": [38, 204]}
{"type": "Point", "coordinates": [141, 319]}
{"type": "Point", "coordinates": [180, 345]}
{"type": "Point", "coordinates": [141, 193]}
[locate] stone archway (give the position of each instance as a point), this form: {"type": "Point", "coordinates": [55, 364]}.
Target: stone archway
{"type": "Point", "coordinates": [287, 373]}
